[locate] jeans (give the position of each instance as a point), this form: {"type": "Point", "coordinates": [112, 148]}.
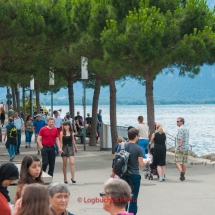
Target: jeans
{"type": "Point", "coordinates": [28, 135]}
{"type": "Point", "coordinates": [48, 158]}
{"type": "Point", "coordinates": [134, 183]}
{"type": "Point", "coordinates": [19, 133]}
{"type": "Point", "coordinates": [56, 149]}
{"type": "Point", "coordinates": [143, 143]}
{"type": "Point", "coordinates": [11, 150]}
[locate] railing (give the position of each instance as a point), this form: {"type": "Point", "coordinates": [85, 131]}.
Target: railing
{"type": "Point", "coordinates": [170, 137]}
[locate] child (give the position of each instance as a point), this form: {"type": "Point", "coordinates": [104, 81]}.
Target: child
{"type": "Point", "coordinates": [119, 141]}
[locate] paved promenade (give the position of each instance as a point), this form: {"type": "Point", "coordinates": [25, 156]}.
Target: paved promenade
{"type": "Point", "coordinates": [195, 196]}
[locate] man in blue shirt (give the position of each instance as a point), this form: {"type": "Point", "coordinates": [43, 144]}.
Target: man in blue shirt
{"type": "Point", "coordinates": [38, 124]}
{"type": "Point", "coordinates": [11, 142]}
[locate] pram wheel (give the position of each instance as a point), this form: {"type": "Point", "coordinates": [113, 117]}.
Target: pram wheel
{"type": "Point", "coordinates": [150, 177]}
{"type": "Point", "coordinates": [146, 176]}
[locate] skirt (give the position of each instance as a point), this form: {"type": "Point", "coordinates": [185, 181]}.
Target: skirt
{"type": "Point", "coordinates": [159, 157]}
{"type": "Point", "coordinates": [67, 151]}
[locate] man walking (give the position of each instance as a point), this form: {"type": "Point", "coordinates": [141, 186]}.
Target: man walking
{"type": "Point", "coordinates": [38, 124]}
{"type": "Point", "coordinates": [45, 117]}
{"type": "Point", "coordinates": [181, 154]}
{"type": "Point", "coordinates": [57, 123]}
{"type": "Point", "coordinates": [135, 161]}
{"type": "Point", "coordinates": [47, 137]}
{"type": "Point", "coordinates": [20, 126]}
{"type": "Point", "coordinates": [10, 112]}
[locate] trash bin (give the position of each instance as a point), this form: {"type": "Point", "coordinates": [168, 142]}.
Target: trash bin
{"type": "Point", "coordinates": [105, 138]}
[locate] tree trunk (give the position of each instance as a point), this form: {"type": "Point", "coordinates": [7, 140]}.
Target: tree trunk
{"type": "Point", "coordinates": [14, 98]}
{"type": "Point", "coordinates": [38, 97]}
{"type": "Point", "coordinates": [113, 121]}
{"type": "Point", "coordinates": [17, 100]}
{"type": "Point", "coordinates": [150, 102]}
{"type": "Point", "coordinates": [71, 95]}
{"type": "Point", "coordinates": [23, 104]}
{"type": "Point", "coordinates": [94, 111]}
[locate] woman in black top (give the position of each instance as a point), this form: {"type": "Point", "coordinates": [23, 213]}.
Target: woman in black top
{"type": "Point", "coordinates": [68, 145]}
{"type": "Point", "coordinates": [159, 157]}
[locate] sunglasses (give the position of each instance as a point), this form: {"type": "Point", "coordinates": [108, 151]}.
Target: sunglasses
{"type": "Point", "coordinates": [178, 121]}
{"type": "Point", "coordinates": [102, 194]}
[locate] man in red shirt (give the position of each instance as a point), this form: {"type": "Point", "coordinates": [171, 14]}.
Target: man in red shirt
{"type": "Point", "coordinates": [47, 137]}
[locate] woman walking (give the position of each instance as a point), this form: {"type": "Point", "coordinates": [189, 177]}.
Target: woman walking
{"type": "Point", "coordinates": [28, 131]}
{"type": "Point", "coordinates": [8, 173]}
{"type": "Point", "coordinates": [159, 158]}
{"type": "Point", "coordinates": [68, 145]}
{"type": "Point", "coordinates": [144, 133]}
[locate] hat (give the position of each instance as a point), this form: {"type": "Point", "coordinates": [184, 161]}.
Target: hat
{"type": "Point", "coordinates": [38, 115]}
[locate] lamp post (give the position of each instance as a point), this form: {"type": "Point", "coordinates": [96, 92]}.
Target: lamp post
{"type": "Point", "coordinates": [51, 83]}
{"type": "Point", "coordinates": [84, 77]}
{"type": "Point", "coordinates": [18, 99]}
{"type": "Point", "coordinates": [31, 96]}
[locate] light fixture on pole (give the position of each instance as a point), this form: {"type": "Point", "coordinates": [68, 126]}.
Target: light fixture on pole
{"type": "Point", "coordinates": [18, 99]}
{"type": "Point", "coordinates": [51, 83]}
{"type": "Point", "coordinates": [84, 77]}
{"type": "Point", "coordinates": [31, 96]}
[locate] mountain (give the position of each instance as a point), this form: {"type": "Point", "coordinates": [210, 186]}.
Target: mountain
{"type": "Point", "coordinates": [168, 88]}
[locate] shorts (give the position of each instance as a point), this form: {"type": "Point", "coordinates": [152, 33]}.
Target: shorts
{"type": "Point", "coordinates": [36, 135]}
{"type": "Point", "coordinates": [181, 157]}
{"type": "Point", "coordinates": [67, 151]}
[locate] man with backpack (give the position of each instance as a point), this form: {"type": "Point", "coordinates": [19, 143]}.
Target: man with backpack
{"type": "Point", "coordinates": [126, 166]}
{"type": "Point", "coordinates": [20, 126]}
{"type": "Point", "coordinates": [11, 134]}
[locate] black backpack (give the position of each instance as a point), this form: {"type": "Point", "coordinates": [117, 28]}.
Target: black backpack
{"type": "Point", "coordinates": [120, 162]}
{"type": "Point", "coordinates": [13, 132]}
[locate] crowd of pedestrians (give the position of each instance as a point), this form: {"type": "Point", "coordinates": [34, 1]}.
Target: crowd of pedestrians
{"type": "Point", "coordinates": [57, 134]}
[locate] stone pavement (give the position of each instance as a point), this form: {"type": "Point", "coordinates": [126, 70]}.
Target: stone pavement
{"type": "Point", "coordinates": [195, 196]}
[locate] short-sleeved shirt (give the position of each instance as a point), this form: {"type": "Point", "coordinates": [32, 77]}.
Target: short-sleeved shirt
{"type": "Point", "coordinates": [99, 116]}
{"type": "Point", "coordinates": [28, 126]}
{"type": "Point", "coordinates": [135, 152]}
{"type": "Point", "coordinates": [183, 134]}
{"type": "Point", "coordinates": [57, 122]}
{"type": "Point", "coordinates": [38, 125]}
{"type": "Point", "coordinates": [18, 122]}
{"type": "Point", "coordinates": [143, 131]}
{"type": "Point", "coordinates": [4, 206]}
{"type": "Point", "coordinates": [48, 136]}
{"type": "Point", "coordinates": [10, 113]}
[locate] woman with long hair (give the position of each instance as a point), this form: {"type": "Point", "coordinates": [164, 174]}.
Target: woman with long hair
{"type": "Point", "coordinates": [159, 157]}
{"type": "Point", "coordinates": [31, 172]}
{"type": "Point", "coordinates": [68, 145]}
{"type": "Point", "coordinates": [8, 173]}
{"type": "Point", "coordinates": [28, 131]}
{"type": "Point", "coordinates": [35, 200]}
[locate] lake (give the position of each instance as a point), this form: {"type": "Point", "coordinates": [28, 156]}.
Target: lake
{"type": "Point", "coordinates": [199, 119]}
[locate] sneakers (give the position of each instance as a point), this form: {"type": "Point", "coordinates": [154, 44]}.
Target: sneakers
{"type": "Point", "coordinates": [182, 178]}
{"type": "Point", "coordinates": [161, 179]}
{"type": "Point", "coordinates": [26, 146]}
{"type": "Point", "coordinates": [11, 158]}
{"type": "Point", "coordinates": [38, 153]}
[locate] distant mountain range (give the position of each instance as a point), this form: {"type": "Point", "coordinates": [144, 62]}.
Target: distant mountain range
{"type": "Point", "coordinates": [168, 89]}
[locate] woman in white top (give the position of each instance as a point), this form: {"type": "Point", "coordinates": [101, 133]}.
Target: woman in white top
{"type": "Point", "coordinates": [144, 133]}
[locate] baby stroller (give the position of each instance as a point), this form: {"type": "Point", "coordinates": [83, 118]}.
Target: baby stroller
{"type": "Point", "coordinates": [152, 170]}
